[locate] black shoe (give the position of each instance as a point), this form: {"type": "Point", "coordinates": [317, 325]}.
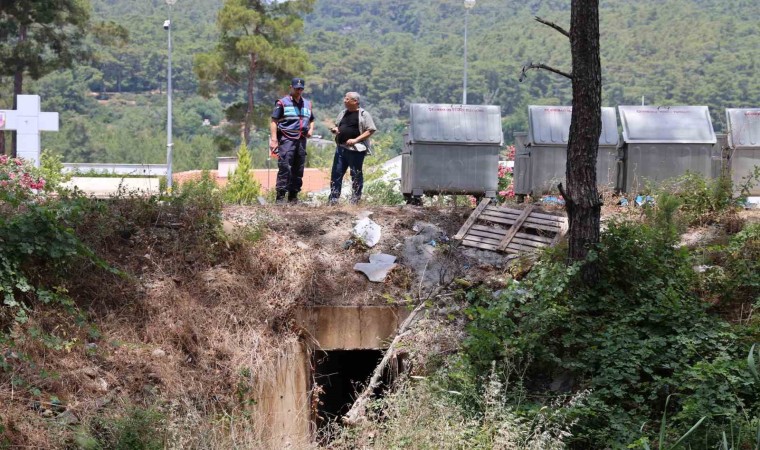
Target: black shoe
{"type": "Point", "coordinates": [355, 200]}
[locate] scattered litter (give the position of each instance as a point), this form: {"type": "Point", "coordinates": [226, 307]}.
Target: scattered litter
{"type": "Point", "coordinates": [623, 202]}
{"type": "Point", "coordinates": [368, 231]}
{"type": "Point", "coordinates": [553, 200]}
{"type": "Point", "coordinates": [432, 243]}
{"type": "Point", "coordinates": [641, 200]}
{"type": "Point", "coordinates": [262, 200]}
{"type": "Point", "coordinates": [416, 228]}
{"type": "Point", "coordinates": [380, 264]}
{"type": "Point", "coordinates": [302, 246]}
{"type": "Point", "coordinates": [364, 214]}
{"type": "Point", "coordinates": [752, 202]}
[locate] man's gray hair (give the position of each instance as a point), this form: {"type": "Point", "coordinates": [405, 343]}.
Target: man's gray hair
{"type": "Point", "coordinates": [354, 95]}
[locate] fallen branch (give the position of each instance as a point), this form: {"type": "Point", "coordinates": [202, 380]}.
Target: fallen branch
{"type": "Point", "coordinates": [358, 409]}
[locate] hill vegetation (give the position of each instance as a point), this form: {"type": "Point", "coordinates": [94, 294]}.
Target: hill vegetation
{"type": "Point", "coordinates": [394, 53]}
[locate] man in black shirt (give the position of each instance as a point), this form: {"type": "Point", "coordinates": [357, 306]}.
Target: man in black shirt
{"type": "Point", "coordinates": [353, 128]}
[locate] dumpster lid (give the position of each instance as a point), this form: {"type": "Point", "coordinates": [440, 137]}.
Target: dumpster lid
{"type": "Point", "coordinates": [455, 124]}
{"type": "Point", "coordinates": [667, 124]}
{"type": "Point", "coordinates": [743, 127]}
{"type": "Point", "coordinates": [550, 125]}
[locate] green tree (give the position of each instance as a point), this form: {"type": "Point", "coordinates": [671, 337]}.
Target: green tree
{"type": "Point", "coordinates": [258, 39]}
{"type": "Point", "coordinates": [38, 37]}
{"type": "Point", "coordinates": [242, 188]}
{"type": "Point", "coordinates": [110, 37]}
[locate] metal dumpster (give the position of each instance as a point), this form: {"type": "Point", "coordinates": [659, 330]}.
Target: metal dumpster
{"type": "Point", "coordinates": [546, 150]}
{"type": "Point", "coordinates": [451, 149]}
{"type": "Point", "coordinates": [743, 145]}
{"type": "Point", "coordinates": [662, 142]}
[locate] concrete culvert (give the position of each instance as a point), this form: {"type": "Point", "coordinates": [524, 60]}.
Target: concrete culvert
{"type": "Point", "coordinates": [340, 375]}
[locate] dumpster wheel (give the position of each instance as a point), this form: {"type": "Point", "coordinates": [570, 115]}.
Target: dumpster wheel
{"type": "Point", "coordinates": [414, 200]}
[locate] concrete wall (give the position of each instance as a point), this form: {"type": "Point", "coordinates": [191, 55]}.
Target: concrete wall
{"type": "Point", "coordinates": [352, 327]}
{"type": "Point", "coordinates": [284, 402]}
{"type": "Point", "coordinates": [284, 406]}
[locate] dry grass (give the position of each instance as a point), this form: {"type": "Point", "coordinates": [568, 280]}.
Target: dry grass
{"type": "Point", "coordinates": [192, 331]}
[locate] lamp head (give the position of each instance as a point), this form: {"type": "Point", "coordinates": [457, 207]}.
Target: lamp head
{"type": "Point", "coordinates": [469, 4]}
{"type": "Point", "coordinates": [167, 24]}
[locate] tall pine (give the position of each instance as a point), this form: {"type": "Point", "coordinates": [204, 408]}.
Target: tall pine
{"type": "Point", "coordinates": [258, 41]}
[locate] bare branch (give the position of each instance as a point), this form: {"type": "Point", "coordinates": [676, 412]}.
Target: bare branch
{"type": "Point", "coordinates": [552, 25]}
{"type": "Point", "coordinates": [530, 65]}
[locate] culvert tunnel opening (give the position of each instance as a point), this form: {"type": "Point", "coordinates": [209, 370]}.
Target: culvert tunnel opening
{"type": "Point", "coordinates": [341, 375]}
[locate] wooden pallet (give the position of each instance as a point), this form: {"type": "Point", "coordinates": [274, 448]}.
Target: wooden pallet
{"type": "Point", "coordinates": [491, 227]}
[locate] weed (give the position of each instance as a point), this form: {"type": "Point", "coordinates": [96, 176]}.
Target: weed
{"type": "Point", "coordinates": [140, 428]}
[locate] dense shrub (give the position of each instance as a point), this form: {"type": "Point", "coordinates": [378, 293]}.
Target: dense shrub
{"type": "Point", "coordinates": [638, 335]}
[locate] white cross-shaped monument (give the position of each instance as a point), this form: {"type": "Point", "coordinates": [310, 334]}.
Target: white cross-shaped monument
{"type": "Point", "coordinates": [28, 121]}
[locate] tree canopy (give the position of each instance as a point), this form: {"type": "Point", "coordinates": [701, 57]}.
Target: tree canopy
{"type": "Point", "coordinates": [258, 41]}
{"type": "Point", "coordinates": [395, 52]}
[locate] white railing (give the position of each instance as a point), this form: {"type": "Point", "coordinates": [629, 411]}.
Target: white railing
{"type": "Point", "coordinates": [119, 169]}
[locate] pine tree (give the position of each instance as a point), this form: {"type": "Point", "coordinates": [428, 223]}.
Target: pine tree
{"type": "Point", "coordinates": [242, 188]}
{"type": "Point", "coordinates": [258, 38]}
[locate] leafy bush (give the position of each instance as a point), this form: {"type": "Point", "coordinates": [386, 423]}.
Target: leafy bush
{"type": "Point", "coordinates": [638, 335]}
{"type": "Point", "coordinates": [51, 169]}
{"type": "Point", "coordinates": [734, 274]}
{"type": "Point", "coordinates": [38, 245]}
{"type": "Point", "coordinates": [20, 182]}
{"type": "Point", "coordinates": [242, 188]}
{"type": "Point", "coordinates": [380, 191]}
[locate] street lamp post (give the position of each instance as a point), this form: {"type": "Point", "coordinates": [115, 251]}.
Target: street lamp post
{"type": "Point", "coordinates": [169, 143]}
{"type": "Point", "coordinates": [468, 4]}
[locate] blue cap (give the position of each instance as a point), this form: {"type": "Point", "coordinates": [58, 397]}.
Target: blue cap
{"type": "Point", "coordinates": [297, 83]}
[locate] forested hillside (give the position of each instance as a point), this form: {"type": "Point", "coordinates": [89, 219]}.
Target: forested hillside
{"type": "Point", "coordinates": [395, 52]}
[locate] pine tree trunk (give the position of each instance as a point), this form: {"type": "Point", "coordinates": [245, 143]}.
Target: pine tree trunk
{"type": "Point", "coordinates": [583, 203]}
{"type": "Point", "coordinates": [18, 83]}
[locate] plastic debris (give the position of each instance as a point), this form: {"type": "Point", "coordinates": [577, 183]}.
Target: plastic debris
{"type": "Point", "coordinates": [641, 200]}
{"type": "Point", "coordinates": [553, 200]}
{"type": "Point", "coordinates": [368, 231]}
{"type": "Point", "coordinates": [378, 268]}
{"type": "Point", "coordinates": [623, 202]}
{"type": "Point", "coordinates": [752, 202]}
